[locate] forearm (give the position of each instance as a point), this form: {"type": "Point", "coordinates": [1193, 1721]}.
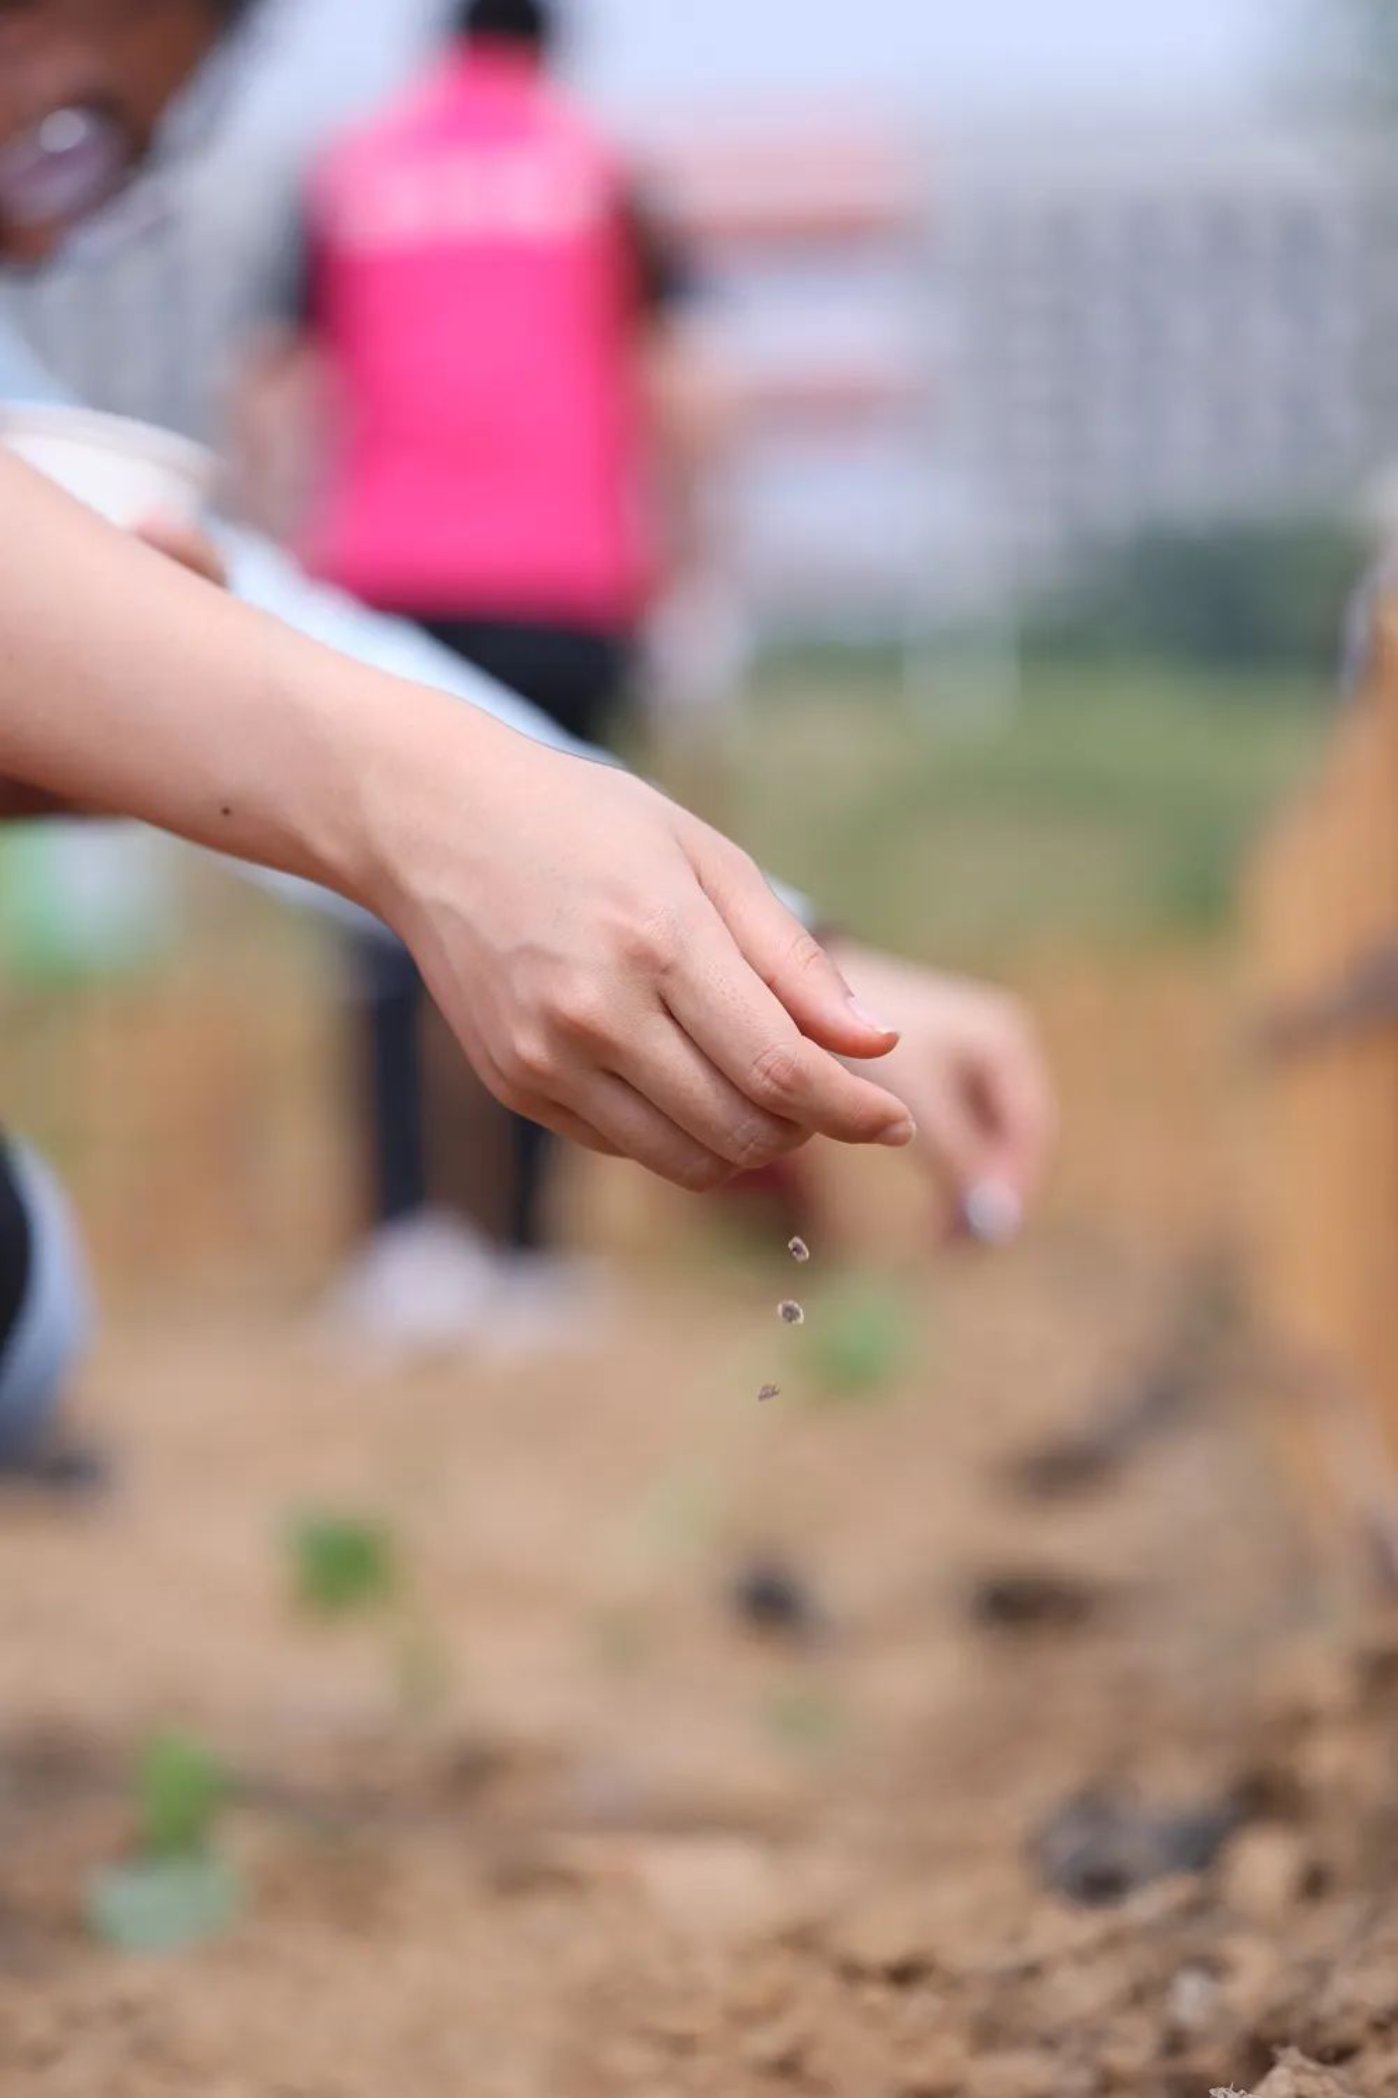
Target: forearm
{"type": "Point", "coordinates": [262, 575]}
{"type": "Point", "coordinates": [133, 689]}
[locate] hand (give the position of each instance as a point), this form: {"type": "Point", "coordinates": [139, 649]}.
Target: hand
{"type": "Point", "coordinates": [616, 970]}
{"type": "Point", "coordinates": [970, 1069]}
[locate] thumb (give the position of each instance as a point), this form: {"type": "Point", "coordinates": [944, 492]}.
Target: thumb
{"type": "Point", "coordinates": [983, 1153]}
{"type": "Point", "coordinates": [791, 961]}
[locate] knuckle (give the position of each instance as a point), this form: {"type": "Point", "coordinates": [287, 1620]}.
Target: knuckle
{"type": "Point", "coordinates": [580, 1014]}
{"type": "Point", "coordinates": [756, 1142]}
{"type": "Point", "coordinates": [777, 1075]}
{"type": "Point", "coordinates": [529, 1063]}
{"type": "Point", "coordinates": [805, 955]}
{"type": "Point", "coordinates": [651, 940]}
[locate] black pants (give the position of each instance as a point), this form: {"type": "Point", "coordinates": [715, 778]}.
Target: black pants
{"type": "Point", "coordinates": [16, 1247]}
{"type": "Point", "coordinates": [578, 679]}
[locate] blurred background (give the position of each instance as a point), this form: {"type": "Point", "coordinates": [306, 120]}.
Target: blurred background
{"type": "Point", "coordinates": [1027, 428]}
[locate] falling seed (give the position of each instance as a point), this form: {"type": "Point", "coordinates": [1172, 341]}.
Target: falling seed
{"type": "Point", "coordinates": [768, 1391]}
{"type": "Point", "coordinates": [791, 1315]}
{"type": "Point", "coordinates": [799, 1251]}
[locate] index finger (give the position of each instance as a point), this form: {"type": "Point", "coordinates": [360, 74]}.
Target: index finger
{"type": "Point", "coordinates": [1017, 1105]}
{"type": "Point", "coordinates": [721, 1003]}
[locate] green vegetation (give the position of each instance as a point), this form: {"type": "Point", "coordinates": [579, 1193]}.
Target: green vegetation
{"type": "Point", "coordinates": [351, 1569]}
{"type": "Point", "coordinates": [1245, 598]}
{"type": "Point", "coordinates": [1114, 806]}
{"type": "Point", "coordinates": [342, 1566]}
{"type": "Point", "coordinates": [178, 1891]}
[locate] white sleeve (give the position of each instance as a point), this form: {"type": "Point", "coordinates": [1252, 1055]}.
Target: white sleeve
{"type": "Point", "coordinates": [267, 578]}
{"type": "Point", "coordinates": [264, 576]}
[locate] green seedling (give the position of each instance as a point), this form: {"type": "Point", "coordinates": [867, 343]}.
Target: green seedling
{"type": "Point", "coordinates": [181, 1791]}
{"type": "Point", "coordinates": [347, 1568]}
{"type": "Point", "coordinates": [861, 1341]}
{"type": "Point", "coordinates": [178, 1892]}
{"type": "Point", "coordinates": [343, 1567]}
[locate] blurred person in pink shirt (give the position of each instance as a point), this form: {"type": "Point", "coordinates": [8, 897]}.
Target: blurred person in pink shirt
{"type": "Point", "coordinates": [487, 316]}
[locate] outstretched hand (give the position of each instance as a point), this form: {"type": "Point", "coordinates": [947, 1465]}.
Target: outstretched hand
{"type": "Point", "coordinates": [972, 1073]}
{"type": "Point", "coordinates": [622, 974]}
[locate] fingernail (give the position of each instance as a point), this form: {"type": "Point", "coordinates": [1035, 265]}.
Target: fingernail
{"type": "Point", "coordinates": [870, 1020]}
{"type": "Point", "coordinates": [899, 1135]}
{"type": "Point", "coordinates": [993, 1213]}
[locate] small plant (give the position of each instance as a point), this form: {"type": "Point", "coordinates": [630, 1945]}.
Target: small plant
{"type": "Point", "coordinates": [343, 1567]}
{"type": "Point", "coordinates": [348, 1568]}
{"type": "Point", "coordinates": [178, 1891]}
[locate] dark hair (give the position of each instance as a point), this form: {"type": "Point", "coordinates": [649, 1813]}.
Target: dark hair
{"type": "Point", "coordinates": [531, 22]}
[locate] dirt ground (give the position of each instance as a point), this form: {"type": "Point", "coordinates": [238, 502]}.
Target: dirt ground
{"type": "Point", "coordinates": [1029, 1767]}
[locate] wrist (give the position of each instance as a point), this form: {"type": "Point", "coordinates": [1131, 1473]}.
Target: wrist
{"type": "Point", "coordinates": [416, 771]}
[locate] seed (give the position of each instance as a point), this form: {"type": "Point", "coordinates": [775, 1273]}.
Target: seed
{"type": "Point", "coordinates": [768, 1391]}
{"type": "Point", "coordinates": [799, 1251]}
{"type": "Point", "coordinates": [791, 1314]}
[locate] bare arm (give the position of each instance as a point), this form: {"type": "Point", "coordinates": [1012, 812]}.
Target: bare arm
{"type": "Point", "coordinates": [612, 967]}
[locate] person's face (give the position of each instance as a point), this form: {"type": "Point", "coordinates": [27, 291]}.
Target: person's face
{"type": "Point", "coordinates": [83, 86]}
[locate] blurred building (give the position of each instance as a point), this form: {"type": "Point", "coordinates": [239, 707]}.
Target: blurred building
{"type": "Point", "coordinates": [814, 253]}
{"type": "Point", "coordinates": [1163, 327]}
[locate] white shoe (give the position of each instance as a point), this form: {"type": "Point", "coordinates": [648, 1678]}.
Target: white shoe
{"type": "Point", "coordinates": [424, 1286]}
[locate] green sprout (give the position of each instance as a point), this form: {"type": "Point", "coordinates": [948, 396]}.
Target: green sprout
{"type": "Point", "coordinates": [181, 1791]}
{"type": "Point", "coordinates": [178, 1891]}
{"type": "Point", "coordinates": [343, 1567]}
{"type": "Point", "coordinates": [347, 1568]}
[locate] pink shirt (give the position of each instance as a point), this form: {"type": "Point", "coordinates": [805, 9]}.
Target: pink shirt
{"type": "Point", "coordinates": [477, 293]}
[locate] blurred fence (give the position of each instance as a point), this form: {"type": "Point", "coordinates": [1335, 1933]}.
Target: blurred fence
{"type": "Point", "coordinates": [1323, 909]}
{"type": "Point", "coordinates": [194, 1101]}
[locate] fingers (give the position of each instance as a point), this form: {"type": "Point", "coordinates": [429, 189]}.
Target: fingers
{"type": "Point", "coordinates": [990, 1125]}
{"type": "Point", "coordinates": [667, 1067]}
{"type": "Point", "coordinates": [609, 1116]}
{"type": "Point", "coordinates": [789, 960]}
{"type": "Point", "coordinates": [1014, 1102]}
{"type": "Point", "coordinates": [574, 1129]}
{"type": "Point", "coordinates": [1000, 1095]}
{"type": "Point", "coordinates": [743, 1031]}
{"type": "Point", "coordinates": [623, 1123]}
